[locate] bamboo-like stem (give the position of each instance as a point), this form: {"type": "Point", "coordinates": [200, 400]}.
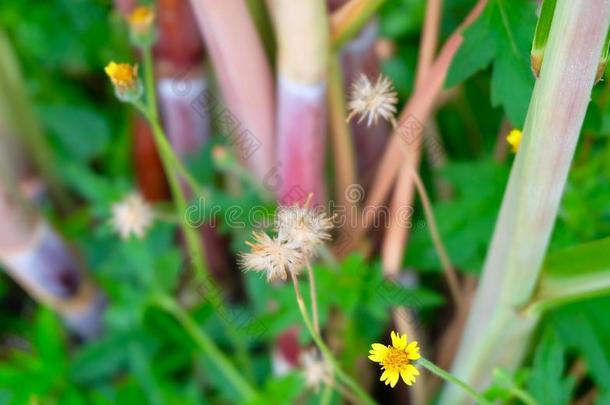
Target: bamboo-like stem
{"type": "Point", "coordinates": [207, 346]}
{"type": "Point", "coordinates": [532, 198]}
{"type": "Point", "coordinates": [238, 56]}
{"type": "Point", "coordinates": [302, 81]}
{"type": "Point", "coordinates": [343, 376]}
{"type": "Point", "coordinates": [41, 262]}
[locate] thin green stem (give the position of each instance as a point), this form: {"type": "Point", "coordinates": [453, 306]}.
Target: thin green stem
{"type": "Point", "coordinates": [172, 166]}
{"type": "Point", "coordinates": [149, 81]}
{"type": "Point", "coordinates": [328, 356]}
{"type": "Point", "coordinates": [207, 346]}
{"type": "Point", "coordinates": [313, 297]}
{"type": "Point", "coordinates": [433, 368]}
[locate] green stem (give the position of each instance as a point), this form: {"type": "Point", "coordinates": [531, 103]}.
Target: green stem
{"type": "Point", "coordinates": [149, 81]}
{"type": "Point", "coordinates": [207, 346]}
{"type": "Point", "coordinates": [433, 368]}
{"type": "Point", "coordinates": [172, 166]}
{"type": "Point", "coordinates": [328, 356]}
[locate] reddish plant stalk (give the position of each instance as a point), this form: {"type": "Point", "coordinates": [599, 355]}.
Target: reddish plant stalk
{"type": "Point", "coordinates": [39, 260]}
{"type": "Point", "coordinates": [245, 79]}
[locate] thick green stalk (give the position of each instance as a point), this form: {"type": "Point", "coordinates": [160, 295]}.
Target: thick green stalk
{"type": "Point", "coordinates": [498, 331]}
{"type": "Point", "coordinates": [207, 346]}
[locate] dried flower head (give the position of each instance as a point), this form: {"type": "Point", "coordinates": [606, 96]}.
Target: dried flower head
{"type": "Point", "coordinates": [373, 100]}
{"type": "Point", "coordinates": [396, 359]}
{"type": "Point", "coordinates": [316, 370]}
{"type": "Point", "coordinates": [304, 228]}
{"type": "Point", "coordinates": [514, 139]}
{"type": "Point", "coordinates": [132, 216]}
{"type": "Point", "coordinates": [141, 19]}
{"type": "Point", "coordinates": [124, 77]}
{"type": "Point", "coordinates": [272, 256]}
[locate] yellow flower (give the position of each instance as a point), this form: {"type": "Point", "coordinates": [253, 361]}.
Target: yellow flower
{"type": "Point", "coordinates": [514, 139]}
{"type": "Point", "coordinates": [396, 360]}
{"type": "Point", "coordinates": [123, 75]}
{"type": "Point", "coordinates": [141, 18]}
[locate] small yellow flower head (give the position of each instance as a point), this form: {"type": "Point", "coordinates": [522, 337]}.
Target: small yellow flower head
{"type": "Point", "coordinates": [141, 19]}
{"type": "Point", "coordinates": [396, 360]}
{"type": "Point", "coordinates": [124, 77]}
{"type": "Point", "coordinates": [373, 100]}
{"type": "Point", "coordinates": [272, 257]}
{"type": "Point", "coordinates": [514, 139]}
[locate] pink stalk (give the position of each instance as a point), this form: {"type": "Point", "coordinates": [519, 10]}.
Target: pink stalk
{"type": "Point", "coordinates": [245, 79]}
{"type": "Point", "coordinates": [302, 66]}
{"type": "Point", "coordinates": [38, 259]}
{"type": "Point", "coordinates": [181, 82]}
{"type": "Point", "coordinates": [302, 38]}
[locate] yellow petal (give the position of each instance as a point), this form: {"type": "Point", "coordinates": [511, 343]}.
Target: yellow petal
{"type": "Point", "coordinates": [413, 351]}
{"type": "Point", "coordinates": [412, 370]}
{"type": "Point", "coordinates": [379, 348]}
{"type": "Point", "coordinates": [393, 378]}
{"type": "Point", "coordinates": [398, 341]}
{"type": "Point", "coordinates": [384, 376]}
{"type": "Point", "coordinates": [376, 358]}
{"type": "Point", "coordinates": [406, 377]}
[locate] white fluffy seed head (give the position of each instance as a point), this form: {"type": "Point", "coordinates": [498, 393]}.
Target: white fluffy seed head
{"type": "Point", "coordinates": [132, 216]}
{"type": "Point", "coordinates": [315, 369]}
{"type": "Point", "coordinates": [372, 101]}
{"type": "Point", "coordinates": [272, 257]}
{"type": "Point", "coordinates": [303, 228]}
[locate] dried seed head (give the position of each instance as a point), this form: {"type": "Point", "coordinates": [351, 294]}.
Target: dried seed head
{"type": "Point", "coordinates": [315, 369]}
{"type": "Point", "coordinates": [373, 100]}
{"type": "Point", "coordinates": [271, 256]}
{"type": "Point", "coordinates": [303, 228]}
{"type": "Point", "coordinates": [132, 216]}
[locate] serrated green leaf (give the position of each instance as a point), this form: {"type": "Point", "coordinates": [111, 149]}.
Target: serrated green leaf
{"type": "Point", "coordinates": [547, 383]}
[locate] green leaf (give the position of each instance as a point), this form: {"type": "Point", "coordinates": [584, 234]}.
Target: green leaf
{"type": "Point", "coordinates": [546, 383]}
{"type": "Point", "coordinates": [82, 132]}
{"type": "Point", "coordinates": [476, 52]}
{"type": "Point", "coordinates": [502, 36]}
{"type": "Point", "coordinates": [49, 339]}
